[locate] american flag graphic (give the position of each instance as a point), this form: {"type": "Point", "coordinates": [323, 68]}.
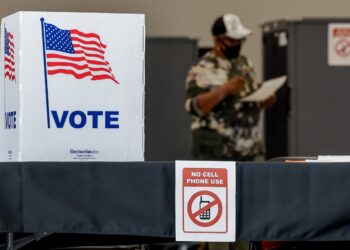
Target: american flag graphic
{"type": "Point", "coordinates": [76, 53]}
{"type": "Point", "coordinates": [9, 64]}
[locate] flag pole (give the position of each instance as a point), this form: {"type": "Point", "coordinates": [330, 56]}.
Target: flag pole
{"type": "Point", "coordinates": [45, 71]}
{"type": "Point", "coordinates": [5, 33]}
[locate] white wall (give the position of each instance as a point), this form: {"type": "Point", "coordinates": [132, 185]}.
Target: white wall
{"type": "Point", "coordinates": [193, 18]}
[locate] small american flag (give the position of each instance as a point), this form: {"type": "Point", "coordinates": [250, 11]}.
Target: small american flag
{"type": "Point", "coordinates": [9, 64]}
{"type": "Point", "coordinates": [76, 53]}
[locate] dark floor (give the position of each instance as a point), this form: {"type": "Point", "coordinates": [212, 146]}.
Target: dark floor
{"type": "Point", "coordinates": [76, 241]}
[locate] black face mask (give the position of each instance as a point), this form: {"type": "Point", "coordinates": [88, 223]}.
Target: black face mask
{"type": "Point", "coordinates": [232, 52]}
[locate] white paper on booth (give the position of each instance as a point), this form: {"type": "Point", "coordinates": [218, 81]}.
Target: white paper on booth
{"type": "Point", "coordinates": [339, 44]}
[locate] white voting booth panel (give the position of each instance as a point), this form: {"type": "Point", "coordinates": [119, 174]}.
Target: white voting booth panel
{"type": "Point", "coordinates": [73, 87]}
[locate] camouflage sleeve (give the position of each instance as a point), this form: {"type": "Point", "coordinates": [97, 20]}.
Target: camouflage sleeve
{"type": "Point", "coordinates": [249, 74]}
{"type": "Point", "coordinates": [196, 84]}
{"type": "Point", "coordinates": [193, 90]}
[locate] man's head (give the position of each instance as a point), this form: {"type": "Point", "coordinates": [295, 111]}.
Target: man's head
{"type": "Point", "coordinates": [229, 33]}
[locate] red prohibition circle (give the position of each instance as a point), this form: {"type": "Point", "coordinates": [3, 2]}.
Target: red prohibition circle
{"type": "Point", "coordinates": [193, 216]}
{"type": "Point", "coordinates": [342, 48]}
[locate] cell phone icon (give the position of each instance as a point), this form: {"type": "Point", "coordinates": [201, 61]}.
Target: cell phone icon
{"type": "Point", "coordinates": [206, 214]}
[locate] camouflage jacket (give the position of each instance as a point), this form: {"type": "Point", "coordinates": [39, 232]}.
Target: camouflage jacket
{"type": "Point", "coordinates": [231, 131]}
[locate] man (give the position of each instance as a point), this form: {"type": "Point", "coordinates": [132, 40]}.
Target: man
{"type": "Point", "coordinates": [223, 128]}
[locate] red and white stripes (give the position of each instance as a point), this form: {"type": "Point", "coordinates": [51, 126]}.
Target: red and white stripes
{"type": "Point", "coordinates": [9, 65]}
{"type": "Point", "coordinates": [88, 59]}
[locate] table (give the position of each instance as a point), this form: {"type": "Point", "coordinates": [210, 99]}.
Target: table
{"type": "Point", "coordinates": [275, 201]}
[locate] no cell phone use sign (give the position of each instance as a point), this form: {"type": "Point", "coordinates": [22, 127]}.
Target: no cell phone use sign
{"type": "Point", "coordinates": [339, 44]}
{"type": "Point", "coordinates": [205, 201]}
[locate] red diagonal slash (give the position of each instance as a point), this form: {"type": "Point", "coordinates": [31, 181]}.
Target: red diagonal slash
{"type": "Point", "coordinates": [202, 210]}
{"type": "Point", "coordinates": [216, 201]}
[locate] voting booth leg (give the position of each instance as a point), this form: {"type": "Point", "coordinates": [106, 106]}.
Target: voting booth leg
{"type": "Point", "coordinates": [253, 245]}
{"type": "Point", "coordinates": [9, 241]}
{"type": "Point", "coordinates": [144, 247]}
{"type": "Point", "coordinates": [231, 246]}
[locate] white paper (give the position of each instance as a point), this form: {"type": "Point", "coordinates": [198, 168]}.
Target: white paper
{"type": "Point", "coordinates": [217, 186]}
{"type": "Point", "coordinates": [333, 158]}
{"type": "Point", "coordinates": [330, 158]}
{"type": "Point", "coordinates": [266, 90]}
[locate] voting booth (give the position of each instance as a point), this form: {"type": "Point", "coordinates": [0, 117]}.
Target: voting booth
{"type": "Point", "coordinates": [310, 115]}
{"type": "Point", "coordinates": [73, 87]}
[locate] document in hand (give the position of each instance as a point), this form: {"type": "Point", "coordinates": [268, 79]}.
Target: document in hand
{"type": "Point", "coordinates": [266, 90]}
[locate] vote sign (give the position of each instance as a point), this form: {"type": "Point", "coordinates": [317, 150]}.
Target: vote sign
{"type": "Point", "coordinates": [73, 87]}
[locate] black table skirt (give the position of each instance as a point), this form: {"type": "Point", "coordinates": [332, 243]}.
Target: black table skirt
{"type": "Point", "coordinates": [275, 201]}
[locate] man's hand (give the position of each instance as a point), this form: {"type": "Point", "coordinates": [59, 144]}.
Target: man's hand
{"type": "Point", "coordinates": [207, 101]}
{"type": "Point", "coordinates": [234, 85]}
{"type": "Point", "coordinates": [269, 102]}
